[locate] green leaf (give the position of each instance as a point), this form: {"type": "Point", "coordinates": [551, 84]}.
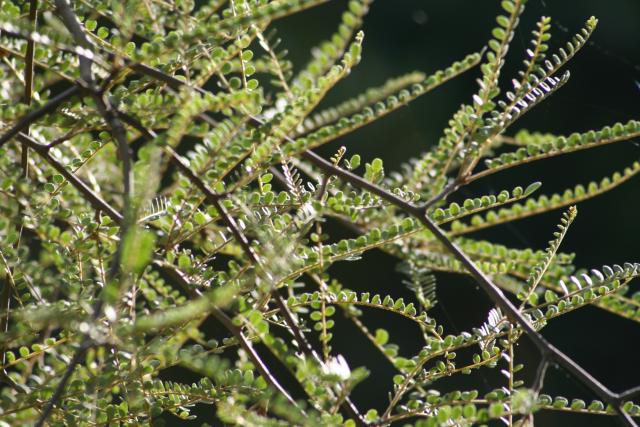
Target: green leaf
{"type": "Point", "coordinates": [371, 416]}
{"type": "Point", "coordinates": [376, 165]}
{"type": "Point", "coordinates": [90, 24]}
{"type": "Point", "coordinates": [184, 261]}
{"type": "Point", "coordinates": [382, 337]}
{"type": "Point", "coordinates": [354, 162]}
{"type": "Point", "coordinates": [24, 351]}
{"type": "Point", "coordinates": [532, 188]}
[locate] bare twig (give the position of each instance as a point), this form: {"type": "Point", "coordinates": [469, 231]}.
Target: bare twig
{"type": "Point", "coordinates": [540, 375]}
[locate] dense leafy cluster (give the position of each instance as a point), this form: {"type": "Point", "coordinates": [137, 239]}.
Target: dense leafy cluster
{"type": "Point", "coordinates": [157, 176]}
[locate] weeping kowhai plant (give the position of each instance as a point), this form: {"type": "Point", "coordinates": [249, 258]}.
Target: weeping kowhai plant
{"type": "Point", "coordinates": [162, 207]}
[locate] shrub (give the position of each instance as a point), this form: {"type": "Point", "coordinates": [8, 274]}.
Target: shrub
{"type": "Point", "coordinates": [159, 172]}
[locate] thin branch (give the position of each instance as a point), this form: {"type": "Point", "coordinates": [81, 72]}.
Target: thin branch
{"type": "Point", "coordinates": [57, 394]}
{"type": "Point", "coordinates": [34, 115]}
{"type": "Point", "coordinates": [95, 200]}
{"type": "Point", "coordinates": [28, 76]}
{"type": "Point", "coordinates": [451, 187]}
{"type": "Point", "coordinates": [118, 132]}
{"type": "Point", "coordinates": [103, 105]}
{"type": "Point", "coordinates": [540, 375]}
{"type": "Point", "coordinates": [630, 394]}
{"type": "Point", "coordinates": [72, 24]}
{"type": "Point", "coordinates": [220, 315]}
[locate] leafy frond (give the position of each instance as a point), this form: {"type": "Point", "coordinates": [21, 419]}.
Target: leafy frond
{"type": "Point", "coordinates": [516, 107]}
{"type": "Point", "coordinates": [157, 208]}
{"type": "Point", "coordinates": [545, 203]}
{"type": "Point", "coordinates": [579, 406]}
{"type": "Point", "coordinates": [329, 51]}
{"type": "Point", "coordinates": [525, 258]}
{"type": "Point", "coordinates": [281, 125]}
{"type": "Point", "coordinates": [537, 52]}
{"type": "Point", "coordinates": [541, 146]}
{"type": "Point", "coordinates": [376, 301]}
{"type": "Point", "coordinates": [281, 68]}
{"type": "Point", "coordinates": [539, 270]}
{"type": "Point", "coordinates": [354, 105]}
{"type": "Point", "coordinates": [421, 281]}
{"type": "Point", "coordinates": [367, 115]}
{"type": "Point", "coordinates": [469, 119]}
{"type": "Point", "coordinates": [498, 48]}
{"type": "Point", "coordinates": [565, 54]}
{"type": "Point", "coordinates": [472, 206]}
{"type": "Point", "coordinates": [446, 263]}
{"type": "Point", "coordinates": [582, 289]}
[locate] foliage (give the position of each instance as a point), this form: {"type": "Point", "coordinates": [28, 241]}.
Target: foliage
{"type": "Point", "coordinates": [157, 173]}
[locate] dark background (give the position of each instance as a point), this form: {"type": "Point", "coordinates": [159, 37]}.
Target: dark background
{"type": "Point", "coordinates": [406, 35]}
